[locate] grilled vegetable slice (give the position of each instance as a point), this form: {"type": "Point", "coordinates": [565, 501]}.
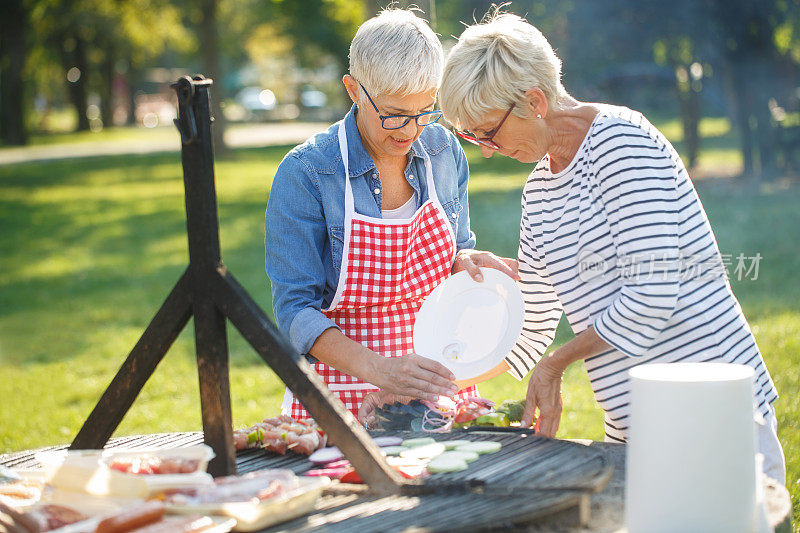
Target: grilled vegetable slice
{"type": "Point", "coordinates": [452, 444]}
{"type": "Point", "coordinates": [387, 441]}
{"type": "Point", "coordinates": [423, 452]}
{"type": "Point", "coordinates": [394, 450]}
{"type": "Point", "coordinates": [480, 447]}
{"type": "Point", "coordinates": [464, 456]}
{"type": "Point", "coordinates": [420, 441]}
{"type": "Point", "coordinates": [444, 464]}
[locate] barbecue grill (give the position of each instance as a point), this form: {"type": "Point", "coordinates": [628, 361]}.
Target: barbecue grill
{"type": "Point", "coordinates": [531, 478]}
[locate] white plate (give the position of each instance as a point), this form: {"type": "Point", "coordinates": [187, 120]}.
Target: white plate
{"type": "Point", "coordinates": [468, 326]}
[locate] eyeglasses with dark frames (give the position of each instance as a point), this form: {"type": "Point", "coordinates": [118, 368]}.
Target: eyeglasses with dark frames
{"type": "Point", "coordinates": [395, 122]}
{"type": "Point", "coordinates": [485, 141]}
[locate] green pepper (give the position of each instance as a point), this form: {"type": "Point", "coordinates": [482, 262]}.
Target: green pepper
{"type": "Point", "coordinates": [254, 436]}
{"type": "Point", "coordinates": [493, 419]}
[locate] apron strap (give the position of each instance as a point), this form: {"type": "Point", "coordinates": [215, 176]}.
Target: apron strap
{"type": "Point", "coordinates": [349, 209]}
{"type": "Point", "coordinates": [349, 204]}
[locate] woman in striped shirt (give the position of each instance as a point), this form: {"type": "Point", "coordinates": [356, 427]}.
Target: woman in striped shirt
{"type": "Point", "coordinates": [612, 232]}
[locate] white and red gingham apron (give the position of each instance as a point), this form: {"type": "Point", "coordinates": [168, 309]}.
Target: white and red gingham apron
{"type": "Point", "coordinates": [389, 266]}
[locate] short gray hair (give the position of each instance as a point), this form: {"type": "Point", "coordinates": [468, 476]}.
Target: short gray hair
{"type": "Point", "coordinates": [492, 66]}
{"type": "Point", "coordinates": [396, 52]}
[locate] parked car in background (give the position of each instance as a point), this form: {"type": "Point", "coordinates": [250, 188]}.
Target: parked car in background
{"type": "Point", "coordinates": [256, 103]}
{"type": "Point", "coordinates": [153, 110]}
{"type": "Point", "coordinates": [311, 98]}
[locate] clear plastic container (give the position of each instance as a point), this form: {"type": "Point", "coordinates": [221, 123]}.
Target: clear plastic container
{"type": "Point", "coordinates": [253, 515]}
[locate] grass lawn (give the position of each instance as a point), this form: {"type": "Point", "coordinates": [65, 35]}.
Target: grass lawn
{"type": "Point", "coordinates": [90, 248]}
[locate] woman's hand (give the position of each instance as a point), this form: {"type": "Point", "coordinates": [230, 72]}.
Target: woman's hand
{"type": "Point", "coordinates": [373, 400]}
{"type": "Point", "coordinates": [544, 393]}
{"type": "Point", "coordinates": [415, 376]}
{"type": "Point", "coordinates": [471, 261]}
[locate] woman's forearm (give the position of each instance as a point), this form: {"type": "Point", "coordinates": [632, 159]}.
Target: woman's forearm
{"type": "Point", "coordinates": [586, 344]}
{"type": "Point", "coordinates": [337, 350]}
{"type": "Point", "coordinates": [407, 375]}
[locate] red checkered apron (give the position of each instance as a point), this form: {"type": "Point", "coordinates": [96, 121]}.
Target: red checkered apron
{"type": "Point", "coordinates": [389, 267]}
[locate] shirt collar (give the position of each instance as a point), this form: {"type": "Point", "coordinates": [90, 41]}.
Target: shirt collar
{"type": "Point", "coordinates": [359, 160]}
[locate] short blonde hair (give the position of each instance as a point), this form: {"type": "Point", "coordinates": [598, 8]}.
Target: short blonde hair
{"type": "Point", "coordinates": [492, 66]}
{"type": "Point", "coordinates": [396, 52]}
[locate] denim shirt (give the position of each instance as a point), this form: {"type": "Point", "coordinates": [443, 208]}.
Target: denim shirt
{"type": "Point", "coordinates": [304, 224]}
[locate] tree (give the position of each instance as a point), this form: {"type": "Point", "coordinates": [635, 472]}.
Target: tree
{"type": "Point", "coordinates": [749, 62]}
{"type": "Point", "coordinates": [320, 30]}
{"type": "Point", "coordinates": [209, 52]}
{"type": "Point", "coordinates": [14, 28]}
{"type": "Point", "coordinates": [86, 39]}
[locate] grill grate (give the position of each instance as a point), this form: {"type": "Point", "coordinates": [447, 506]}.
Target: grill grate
{"type": "Point", "coordinates": [530, 478]}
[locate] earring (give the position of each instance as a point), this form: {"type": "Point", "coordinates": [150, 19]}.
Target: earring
{"type": "Point", "coordinates": [538, 115]}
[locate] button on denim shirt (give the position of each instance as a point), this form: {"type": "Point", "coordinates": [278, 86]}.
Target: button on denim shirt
{"type": "Point", "coordinates": [304, 224]}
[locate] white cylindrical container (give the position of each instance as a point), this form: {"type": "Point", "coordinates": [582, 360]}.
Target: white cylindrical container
{"type": "Point", "coordinates": [691, 449]}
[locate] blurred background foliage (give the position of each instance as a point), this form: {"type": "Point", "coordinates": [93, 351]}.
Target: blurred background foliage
{"type": "Point", "coordinates": [89, 64]}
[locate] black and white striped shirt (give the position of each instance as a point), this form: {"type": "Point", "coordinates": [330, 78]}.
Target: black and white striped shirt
{"type": "Point", "coordinates": [619, 240]}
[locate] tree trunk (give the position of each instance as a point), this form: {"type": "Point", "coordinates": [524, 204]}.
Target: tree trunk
{"type": "Point", "coordinates": [689, 105]}
{"type": "Point", "coordinates": [690, 111]}
{"type": "Point", "coordinates": [209, 52]}
{"type": "Point", "coordinates": [764, 87]}
{"type": "Point", "coordinates": [107, 96]}
{"type": "Point", "coordinates": [133, 86]}
{"type": "Point", "coordinates": [13, 53]}
{"type": "Point", "coordinates": [77, 89]}
{"type": "Point", "coordinates": [738, 103]}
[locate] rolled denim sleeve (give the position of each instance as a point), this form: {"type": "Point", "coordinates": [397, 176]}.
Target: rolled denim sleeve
{"type": "Point", "coordinates": [465, 238]}
{"type": "Point", "coordinates": [295, 239]}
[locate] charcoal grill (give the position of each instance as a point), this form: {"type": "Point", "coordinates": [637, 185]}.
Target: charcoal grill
{"type": "Point", "coordinates": [529, 479]}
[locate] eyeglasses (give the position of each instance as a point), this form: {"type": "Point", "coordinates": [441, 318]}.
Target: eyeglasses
{"type": "Point", "coordinates": [395, 122]}
{"type": "Point", "coordinates": [485, 141]}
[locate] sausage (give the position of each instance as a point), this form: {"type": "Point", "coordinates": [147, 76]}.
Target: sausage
{"type": "Point", "coordinates": [132, 518]}
{"type": "Point", "coordinates": [178, 524]}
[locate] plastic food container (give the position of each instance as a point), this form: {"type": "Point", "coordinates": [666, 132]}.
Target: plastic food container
{"type": "Point", "coordinates": [255, 516]}
{"type": "Point", "coordinates": [159, 461]}
{"type": "Point", "coordinates": [190, 470]}
{"type": "Point", "coordinates": [91, 472]}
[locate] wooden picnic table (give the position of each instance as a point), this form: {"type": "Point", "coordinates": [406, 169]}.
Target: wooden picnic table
{"type": "Point", "coordinates": [344, 510]}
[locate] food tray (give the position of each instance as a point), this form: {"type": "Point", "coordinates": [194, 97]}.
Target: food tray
{"type": "Point", "coordinates": [254, 516]}
{"type": "Point", "coordinates": [220, 525]}
{"type": "Point", "coordinates": [88, 471]}
{"type": "Point", "coordinates": [200, 453]}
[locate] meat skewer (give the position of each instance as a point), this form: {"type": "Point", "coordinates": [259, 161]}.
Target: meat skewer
{"type": "Point", "coordinates": [280, 434]}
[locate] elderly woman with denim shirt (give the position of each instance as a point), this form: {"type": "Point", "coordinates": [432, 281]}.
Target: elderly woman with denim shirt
{"type": "Point", "coordinates": [366, 218]}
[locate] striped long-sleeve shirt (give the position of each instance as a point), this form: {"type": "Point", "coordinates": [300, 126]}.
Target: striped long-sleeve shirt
{"type": "Point", "coordinates": [619, 240]}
